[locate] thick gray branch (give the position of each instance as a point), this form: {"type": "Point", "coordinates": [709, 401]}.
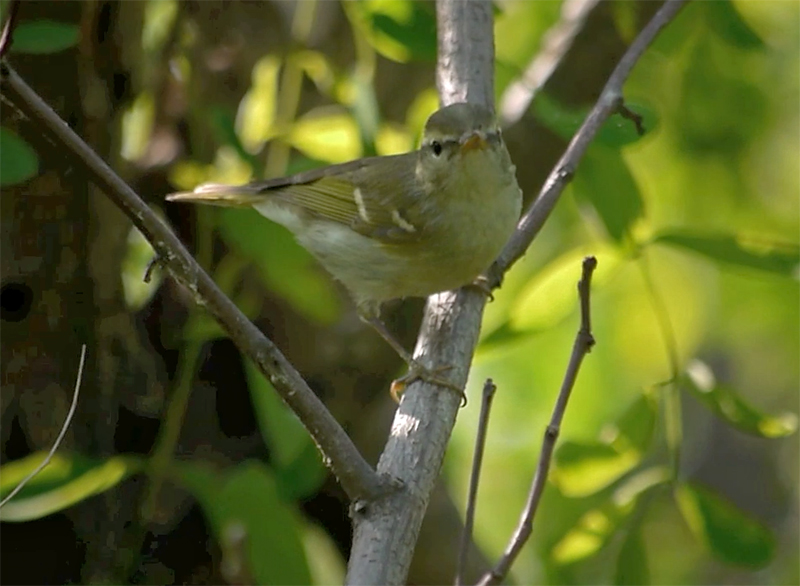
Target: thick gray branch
{"type": "Point", "coordinates": [385, 533]}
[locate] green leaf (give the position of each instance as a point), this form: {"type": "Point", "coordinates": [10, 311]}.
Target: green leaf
{"type": "Point", "coordinates": [293, 455]}
{"type": "Point", "coordinates": [726, 403]}
{"type": "Point", "coordinates": [632, 568]}
{"type": "Point", "coordinates": [326, 135]}
{"type": "Point", "coordinates": [551, 296]}
{"type": "Point", "coordinates": [604, 180]}
{"type": "Point", "coordinates": [737, 250]}
{"type": "Point", "coordinates": [18, 161]}
{"type": "Point", "coordinates": [280, 427]}
{"type": "Point", "coordinates": [65, 481]}
{"type": "Point", "coordinates": [255, 120]}
{"type": "Point", "coordinates": [634, 429]}
{"type": "Point", "coordinates": [725, 20]}
{"type": "Point", "coordinates": [224, 127]}
{"type": "Point", "coordinates": [732, 535]}
{"type": "Point", "coordinates": [596, 527]}
{"type": "Point", "coordinates": [401, 30]}
{"type": "Point", "coordinates": [616, 132]}
{"type": "Point", "coordinates": [137, 126]}
{"type": "Point", "coordinates": [286, 267]}
{"type": "Point", "coordinates": [44, 36]}
{"type": "Point", "coordinates": [583, 468]}
{"type": "Point", "coordinates": [253, 525]}
{"type": "Point", "coordinates": [303, 476]}
{"type": "Point", "coordinates": [561, 120]}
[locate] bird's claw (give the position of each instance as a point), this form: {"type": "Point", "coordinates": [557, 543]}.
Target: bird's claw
{"type": "Point", "coordinates": [481, 283]}
{"type": "Point", "coordinates": [418, 372]}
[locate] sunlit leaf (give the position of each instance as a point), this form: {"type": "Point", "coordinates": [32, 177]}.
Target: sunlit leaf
{"type": "Point", "coordinates": [317, 67]}
{"type": "Point", "coordinates": [604, 181]}
{"type": "Point", "coordinates": [726, 403]}
{"type": "Point", "coordinates": [596, 527]}
{"type": "Point", "coordinates": [552, 294]}
{"type": "Point", "coordinates": [255, 120]}
{"type": "Point", "coordinates": [425, 103]}
{"type": "Point", "coordinates": [65, 481]}
{"type": "Point", "coordinates": [159, 19]}
{"type": "Point", "coordinates": [44, 36]}
{"type": "Point", "coordinates": [252, 524]}
{"type": "Point", "coordinates": [328, 136]}
{"type": "Point", "coordinates": [393, 140]}
{"type": "Point", "coordinates": [137, 127]}
{"type": "Point", "coordinates": [583, 468]}
{"type": "Point", "coordinates": [18, 161]}
{"type": "Point", "coordinates": [772, 257]}
{"type": "Point", "coordinates": [139, 255]}
{"type": "Point", "coordinates": [725, 20]}
{"type": "Point", "coordinates": [731, 534]}
{"type": "Point", "coordinates": [519, 28]}
{"type": "Point", "coordinates": [632, 568]}
{"type": "Point", "coordinates": [286, 267]}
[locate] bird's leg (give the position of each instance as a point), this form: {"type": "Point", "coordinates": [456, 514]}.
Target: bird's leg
{"type": "Point", "coordinates": [481, 283]}
{"type": "Point", "coordinates": [415, 369]}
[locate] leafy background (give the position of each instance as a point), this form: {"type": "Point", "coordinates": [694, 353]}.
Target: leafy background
{"type": "Point", "coordinates": [678, 456]}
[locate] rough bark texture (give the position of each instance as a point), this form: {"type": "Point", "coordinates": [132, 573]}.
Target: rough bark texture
{"type": "Point", "coordinates": [385, 532]}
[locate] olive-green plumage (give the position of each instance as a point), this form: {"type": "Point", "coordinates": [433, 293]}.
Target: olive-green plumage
{"type": "Point", "coordinates": [403, 225]}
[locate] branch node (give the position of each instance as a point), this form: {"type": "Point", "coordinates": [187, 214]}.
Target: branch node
{"type": "Point", "coordinates": [629, 114]}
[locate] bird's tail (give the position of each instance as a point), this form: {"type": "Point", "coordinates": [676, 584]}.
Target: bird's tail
{"type": "Point", "coordinates": [221, 195]}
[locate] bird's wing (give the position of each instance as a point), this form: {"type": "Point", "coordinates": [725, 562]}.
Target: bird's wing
{"type": "Point", "coordinates": [361, 194]}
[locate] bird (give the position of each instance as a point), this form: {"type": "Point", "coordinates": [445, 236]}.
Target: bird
{"type": "Point", "coordinates": [396, 226]}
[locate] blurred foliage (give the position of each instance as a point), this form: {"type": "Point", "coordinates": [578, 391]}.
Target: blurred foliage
{"type": "Point", "coordinates": [695, 302]}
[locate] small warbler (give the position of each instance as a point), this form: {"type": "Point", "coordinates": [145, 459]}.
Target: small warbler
{"type": "Point", "coordinates": [398, 226]}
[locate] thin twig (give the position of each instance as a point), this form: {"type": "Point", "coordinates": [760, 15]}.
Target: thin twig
{"type": "Point", "coordinates": [610, 101]}
{"type": "Point", "coordinates": [357, 477]}
{"type": "Point", "coordinates": [489, 389]}
{"type": "Point", "coordinates": [8, 27]}
{"type": "Point", "coordinates": [582, 346]}
{"type": "Point", "coordinates": [61, 434]}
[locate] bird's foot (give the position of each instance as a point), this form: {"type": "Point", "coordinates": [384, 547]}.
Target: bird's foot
{"type": "Point", "coordinates": [433, 376]}
{"type": "Point", "coordinates": [481, 283]}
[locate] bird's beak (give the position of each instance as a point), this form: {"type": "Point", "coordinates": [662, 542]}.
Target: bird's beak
{"type": "Point", "coordinates": [475, 142]}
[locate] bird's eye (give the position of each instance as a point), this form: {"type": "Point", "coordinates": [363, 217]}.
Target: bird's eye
{"type": "Point", "coordinates": [436, 147]}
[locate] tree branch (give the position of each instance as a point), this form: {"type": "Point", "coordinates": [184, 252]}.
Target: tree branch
{"type": "Point", "coordinates": [610, 101]}
{"type": "Point", "coordinates": [582, 346]}
{"type": "Point", "coordinates": [384, 534]}
{"type": "Point", "coordinates": [357, 477]}
{"type": "Point", "coordinates": [489, 389]}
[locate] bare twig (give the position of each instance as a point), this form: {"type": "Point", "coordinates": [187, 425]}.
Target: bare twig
{"type": "Point", "coordinates": [489, 389]}
{"type": "Point", "coordinates": [582, 346]}
{"type": "Point", "coordinates": [610, 101]}
{"type": "Point", "coordinates": [8, 27]}
{"type": "Point", "coordinates": [357, 477]}
{"type": "Point", "coordinates": [61, 434]}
